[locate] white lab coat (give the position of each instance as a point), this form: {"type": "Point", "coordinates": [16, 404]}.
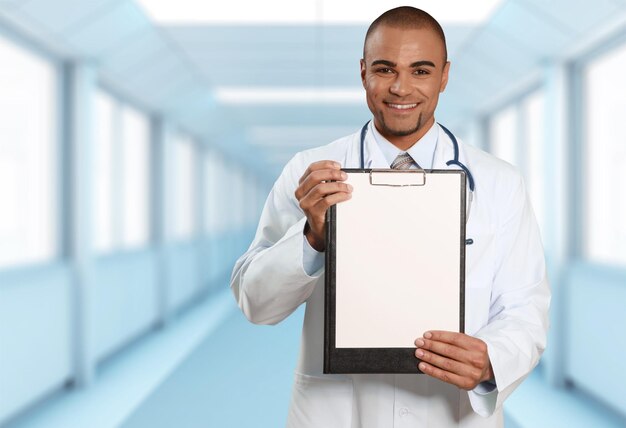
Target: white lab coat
{"type": "Point", "coordinates": [507, 299]}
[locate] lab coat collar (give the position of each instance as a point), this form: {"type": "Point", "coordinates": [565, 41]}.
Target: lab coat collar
{"type": "Point", "coordinates": [444, 152]}
{"type": "Point", "coordinates": [374, 158]}
{"type": "Point", "coordinates": [421, 151]}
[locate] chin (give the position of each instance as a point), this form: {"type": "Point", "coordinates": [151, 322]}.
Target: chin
{"type": "Point", "coordinates": [403, 127]}
{"type": "Point", "coordinates": [402, 131]}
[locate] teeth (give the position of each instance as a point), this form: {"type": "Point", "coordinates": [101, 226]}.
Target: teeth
{"type": "Point", "coordinates": [402, 106]}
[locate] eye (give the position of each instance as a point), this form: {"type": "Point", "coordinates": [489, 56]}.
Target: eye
{"type": "Point", "coordinates": [384, 70]}
{"type": "Point", "coordinates": [421, 72]}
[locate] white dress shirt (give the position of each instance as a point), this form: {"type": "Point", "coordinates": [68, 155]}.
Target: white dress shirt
{"type": "Point", "coordinates": [422, 151]}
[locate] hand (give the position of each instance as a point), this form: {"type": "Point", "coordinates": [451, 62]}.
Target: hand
{"type": "Point", "coordinates": [320, 187]}
{"type": "Point", "coordinates": [454, 358]}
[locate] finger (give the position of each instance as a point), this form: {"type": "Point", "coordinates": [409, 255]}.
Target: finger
{"type": "Point", "coordinates": [445, 376]}
{"type": "Point", "coordinates": [443, 348]}
{"type": "Point", "coordinates": [321, 191]}
{"type": "Point", "coordinates": [458, 339]}
{"type": "Point", "coordinates": [319, 209]}
{"type": "Point", "coordinates": [448, 364]}
{"type": "Point", "coordinates": [323, 164]}
{"type": "Point", "coordinates": [316, 214]}
{"type": "Point", "coordinates": [316, 177]}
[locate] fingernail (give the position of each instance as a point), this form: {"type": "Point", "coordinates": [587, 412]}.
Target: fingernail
{"type": "Point", "coordinates": [350, 188]}
{"type": "Point", "coordinates": [344, 176]}
{"type": "Point", "coordinates": [419, 353]}
{"type": "Point", "coordinates": [428, 335]}
{"type": "Point", "coordinates": [419, 343]}
{"type": "Point", "coordinates": [422, 366]}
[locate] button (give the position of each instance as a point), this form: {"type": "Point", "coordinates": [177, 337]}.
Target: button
{"type": "Point", "coordinates": [404, 411]}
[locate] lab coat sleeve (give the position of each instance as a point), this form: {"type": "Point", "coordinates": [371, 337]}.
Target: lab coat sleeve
{"type": "Point", "coordinates": [269, 281]}
{"type": "Point", "coordinates": [518, 316]}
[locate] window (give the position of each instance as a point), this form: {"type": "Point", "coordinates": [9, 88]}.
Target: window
{"type": "Point", "coordinates": [229, 203]}
{"type": "Point", "coordinates": [136, 174]}
{"type": "Point", "coordinates": [184, 197]}
{"type": "Point", "coordinates": [533, 114]}
{"type": "Point", "coordinates": [212, 178]}
{"type": "Point", "coordinates": [28, 152]}
{"type": "Point", "coordinates": [604, 154]}
{"type": "Point", "coordinates": [238, 199]}
{"type": "Point", "coordinates": [121, 176]}
{"type": "Point", "coordinates": [502, 135]}
{"type": "Point", "coordinates": [103, 172]}
{"type": "Point", "coordinates": [251, 204]}
{"type": "Point", "coordinates": [526, 119]}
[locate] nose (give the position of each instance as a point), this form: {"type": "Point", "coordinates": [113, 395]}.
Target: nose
{"type": "Point", "coordinates": [401, 86]}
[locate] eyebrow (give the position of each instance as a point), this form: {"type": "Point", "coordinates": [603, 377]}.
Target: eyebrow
{"type": "Point", "coordinates": [393, 64]}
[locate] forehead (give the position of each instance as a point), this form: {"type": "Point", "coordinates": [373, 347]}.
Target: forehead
{"type": "Point", "coordinates": [410, 44]}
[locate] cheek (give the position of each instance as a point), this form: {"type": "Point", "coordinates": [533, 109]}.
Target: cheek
{"type": "Point", "coordinates": [371, 104]}
{"type": "Point", "coordinates": [432, 92]}
{"type": "Point", "coordinates": [435, 97]}
{"type": "Point", "coordinates": [375, 88]}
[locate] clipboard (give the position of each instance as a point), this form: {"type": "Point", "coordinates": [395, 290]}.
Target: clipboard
{"type": "Point", "coordinates": [395, 267]}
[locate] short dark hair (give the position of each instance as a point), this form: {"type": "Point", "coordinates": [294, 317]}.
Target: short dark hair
{"type": "Point", "coordinates": [407, 17]}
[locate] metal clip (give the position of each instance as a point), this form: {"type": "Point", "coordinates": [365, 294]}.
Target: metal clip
{"type": "Point", "coordinates": [397, 178]}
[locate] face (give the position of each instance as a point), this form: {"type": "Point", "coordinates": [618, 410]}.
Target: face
{"type": "Point", "coordinates": [403, 73]}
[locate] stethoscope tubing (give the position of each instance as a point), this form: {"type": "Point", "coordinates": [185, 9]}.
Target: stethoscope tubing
{"type": "Point", "coordinates": [454, 161]}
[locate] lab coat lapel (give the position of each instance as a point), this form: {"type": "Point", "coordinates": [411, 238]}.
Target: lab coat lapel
{"type": "Point", "coordinates": [374, 157]}
{"type": "Point", "coordinates": [444, 152]}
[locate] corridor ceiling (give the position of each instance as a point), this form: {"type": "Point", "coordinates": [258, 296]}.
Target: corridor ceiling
{"type": "Point", "coordinates": [207, 77]}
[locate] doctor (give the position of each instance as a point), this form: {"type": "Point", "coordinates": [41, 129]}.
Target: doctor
{"type": "Point", "coordinates": [467, 376]}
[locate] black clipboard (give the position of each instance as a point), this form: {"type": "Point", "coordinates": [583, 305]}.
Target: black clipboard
{"type": "Point", "coordinates": [387, 230]}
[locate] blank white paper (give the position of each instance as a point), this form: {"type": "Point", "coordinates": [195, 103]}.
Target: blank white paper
{"type": "Point", "coordinates": [397, 262]}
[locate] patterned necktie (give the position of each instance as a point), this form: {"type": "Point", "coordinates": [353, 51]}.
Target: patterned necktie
{"type": "Point", "coordinates": [403, 161]}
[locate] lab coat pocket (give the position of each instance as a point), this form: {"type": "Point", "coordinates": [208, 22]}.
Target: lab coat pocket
{"type": "Point", "coordinates": [320, 402]}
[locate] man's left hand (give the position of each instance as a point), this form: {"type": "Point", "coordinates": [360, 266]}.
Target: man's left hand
{"type": "Point", "coordinates": [454, 358]}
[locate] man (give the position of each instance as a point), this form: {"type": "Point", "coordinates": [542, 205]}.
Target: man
{"type": "Point", "coordinates": [466, 376]}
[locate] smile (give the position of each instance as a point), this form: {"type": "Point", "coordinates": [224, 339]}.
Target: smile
{"type": "Point", "coordinates": [401, 106]}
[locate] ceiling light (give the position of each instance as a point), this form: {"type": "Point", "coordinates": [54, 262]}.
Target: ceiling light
{"type": "Point", "coordinates": [271, 12]}
{"type": "Point", "coordinates": [264, 95]}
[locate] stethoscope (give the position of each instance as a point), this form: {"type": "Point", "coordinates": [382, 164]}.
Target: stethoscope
{"type": "Point", "coordinates": [454, 161]}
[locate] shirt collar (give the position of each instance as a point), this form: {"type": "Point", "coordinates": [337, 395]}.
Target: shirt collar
{"type": "Point", "coordinates": [422, 152]}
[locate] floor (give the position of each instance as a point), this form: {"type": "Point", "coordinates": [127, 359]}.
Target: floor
{"type": "Point", "coordinates": [213, 368]}
{"type": "Point", "coordinates": [239, 377]}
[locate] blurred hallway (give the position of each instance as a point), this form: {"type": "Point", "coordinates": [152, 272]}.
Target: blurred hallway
{"type": "Point", "coordinates": [139, 140]}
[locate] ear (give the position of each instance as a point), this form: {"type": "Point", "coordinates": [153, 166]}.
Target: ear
{"type": "Point", "coordinates": [444, 77]}
{"type": "Point", "coordinates": [363, 66]}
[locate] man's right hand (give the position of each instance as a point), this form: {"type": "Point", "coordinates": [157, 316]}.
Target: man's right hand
{"type": "Point", "coordinates": [321, 186]}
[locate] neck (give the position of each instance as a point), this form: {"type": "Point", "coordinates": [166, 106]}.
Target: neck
{"type": "Point", "coordinates": [405, 142]}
